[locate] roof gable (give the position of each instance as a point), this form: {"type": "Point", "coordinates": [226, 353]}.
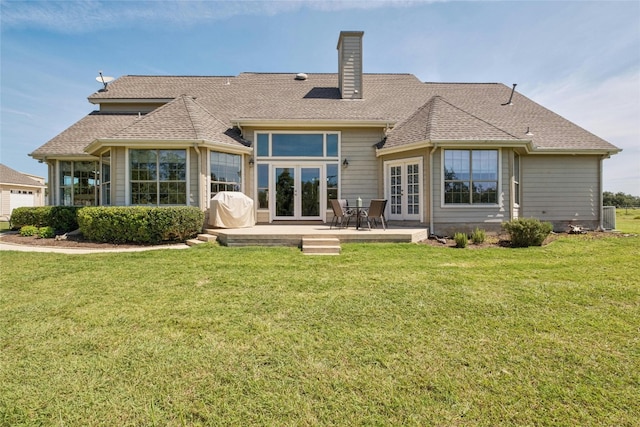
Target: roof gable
{"type": "Point", "coordinates": [439, 120]}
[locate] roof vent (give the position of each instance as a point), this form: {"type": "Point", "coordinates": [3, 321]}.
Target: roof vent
{"type": "Point", "coordinates": [301, 76]}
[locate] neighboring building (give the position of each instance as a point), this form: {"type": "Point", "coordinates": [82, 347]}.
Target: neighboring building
{"type": "Point", "coordinates": [19, 189]}
{"type": "Point", "coordinates": [451, 156]}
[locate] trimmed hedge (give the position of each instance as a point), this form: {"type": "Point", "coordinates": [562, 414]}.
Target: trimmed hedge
{"type": "Point", "coordinates": [61, 218]}
{"type": "Point", "coordinates": [137, 224]}
{"type": "Point", "coordinates": [526, 232]}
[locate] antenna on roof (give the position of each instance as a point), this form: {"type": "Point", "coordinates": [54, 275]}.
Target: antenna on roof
{"type": "Point", "coordinates": [510, 97]}
{"type": "Point", "coordinates": [105, 80]}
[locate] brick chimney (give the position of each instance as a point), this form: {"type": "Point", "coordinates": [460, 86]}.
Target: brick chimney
{"type": "Point", "coordinates": [350, 64]}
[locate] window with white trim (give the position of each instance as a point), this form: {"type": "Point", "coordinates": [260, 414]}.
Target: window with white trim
{"type": "Point", "coordinates": [158, 177]}
{"type": "Point", "coordinates": [226, 172]}
{"type": "Point", "coordinates": [470, 177]}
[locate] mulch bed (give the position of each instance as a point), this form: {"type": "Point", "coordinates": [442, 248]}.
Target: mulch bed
{"type": "Point", "coordinates": [72, 241]}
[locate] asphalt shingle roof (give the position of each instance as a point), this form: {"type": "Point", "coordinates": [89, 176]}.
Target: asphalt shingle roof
{"type": "Point", "coordinates": [11, 176]}
{"type": "Point", "coordinates": [206, 107]}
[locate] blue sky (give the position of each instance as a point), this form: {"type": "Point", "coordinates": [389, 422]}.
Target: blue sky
{"type": "Point", "coordinates": [579, 59]}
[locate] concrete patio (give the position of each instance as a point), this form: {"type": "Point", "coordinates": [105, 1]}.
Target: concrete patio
{"type": "Point", "coordinates": [293, 234]}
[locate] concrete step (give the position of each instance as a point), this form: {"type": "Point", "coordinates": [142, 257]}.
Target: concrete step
{"type": "Point", "coordinates": [321, 246]}
{"type": "Point", "coordinates": [207, 238]}
{"type": "Point", "coordinates": [193, 242]}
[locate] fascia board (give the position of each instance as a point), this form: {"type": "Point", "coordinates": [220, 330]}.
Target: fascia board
{"type": "Point", "coordinates": [264, 123]}
{"type": "Point", "coordinates": [129, 100]}
{"type": "Point", "coordinates": [171, 143]}
{"type": "Point", "coordinates": [403, 148]}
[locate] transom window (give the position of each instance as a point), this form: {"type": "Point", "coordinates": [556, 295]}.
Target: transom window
{"type": "Point", "coordinates": [158, 177]}
{"type": "Point", "coordinates": [226, 172]}
{"type": "Point", "coordinates": [471, 176]}
{"type": "Point", "coordinates": [297, 145]}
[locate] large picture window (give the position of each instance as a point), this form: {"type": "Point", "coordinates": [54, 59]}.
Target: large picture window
{"type": "Point", "coordinates": [471, 176]}
{"type": "Point", "coordinates": [158, 177]}
{"type": "Point", "coordinates": [226, 172]}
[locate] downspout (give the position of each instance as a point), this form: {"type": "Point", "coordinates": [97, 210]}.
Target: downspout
{"type": "Point", "coordinates": [435, 147]}
{"type": "Point", "coordinates": [601, 189]}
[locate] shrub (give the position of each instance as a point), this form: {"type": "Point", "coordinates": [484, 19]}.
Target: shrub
{"type": "Point", "coordinates": [461, 240]}
{"type": "Point", "coordinates": [60, 218]}
{"type": "Point", "coordinates": [46, 232]}
{"type": "Point", "coordinates": [478, 236]}
{"type": "Point", "coordinates": [526, 232]}
{"type": "Point", "coordinates": [138, 224]}
{"type": "Point", "coordinates": [28, 230]}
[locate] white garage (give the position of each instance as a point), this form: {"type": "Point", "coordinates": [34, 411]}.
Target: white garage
{"type": "Point", "coordinates": [19, 190]}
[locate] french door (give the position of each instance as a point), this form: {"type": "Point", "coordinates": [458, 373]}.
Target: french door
{"type": "Point", "coordinates": [297, 191]}
{"type": "Point", "coordinates": [403, 187]}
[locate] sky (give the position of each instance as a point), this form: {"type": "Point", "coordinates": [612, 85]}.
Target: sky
{"type": "Point", "coordinates": [580, 59]}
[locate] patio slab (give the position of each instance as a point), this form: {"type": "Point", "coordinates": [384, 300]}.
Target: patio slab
{"type": "Point", "coordinates": [292, 235]}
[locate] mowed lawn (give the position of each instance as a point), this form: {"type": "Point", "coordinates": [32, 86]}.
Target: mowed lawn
{"type": "Point", "coordinates": [385, 334]}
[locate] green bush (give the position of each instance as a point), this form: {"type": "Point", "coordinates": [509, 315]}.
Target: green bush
{"type": "Point", "coordinates": [28, 230]}
{"type": "Point", "coordinates": [461, 240]}
{"type": "Point", "coordinates": [526, 232]}
{"type": "Point", "coordinates": [46, 232]}
{"type": "Point", "coordinates": [60, 218]}
{"type": "Point", "coordinates": [138, 224]}
{"type": "Point", "coordinates": [478, 236]}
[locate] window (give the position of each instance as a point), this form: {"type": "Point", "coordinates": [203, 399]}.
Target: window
{"type": "Point", "coordinates": [297, 145]}
{"type": "Point", "coordinates": [158, 177]}
{"type": "Point", "coordinates": [471, 176]}
{"type": "Point", "coordinates": [263, 186]}
{"type": "Point", "coordinates": [105, 181]}
{"type": "Point", "coordinates": [226, 172]}
{"type": "Point", "coordinates": [78, 183]}
{"type": "Point", "coordinates": [332, 182]}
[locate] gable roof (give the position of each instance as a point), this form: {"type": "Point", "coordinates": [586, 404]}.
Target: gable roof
{"type": "Point", "coordinates": [11, 176]}
{"type": "Point", "coordinates": [208, 108]}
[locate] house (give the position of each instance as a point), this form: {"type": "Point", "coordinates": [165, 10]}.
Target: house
{"type": "Point", "coordinates": [450, 156]}
{"type": "Point", "coordinates": [19, 189]}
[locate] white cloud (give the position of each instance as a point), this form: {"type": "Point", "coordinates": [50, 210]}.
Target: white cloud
{"type": "Point", "coordinates": [90, 15]}
{"type": "Point", "coordinates": [611, 110]}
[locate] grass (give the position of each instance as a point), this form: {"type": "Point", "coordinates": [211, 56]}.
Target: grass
{"type": "Point", "coordinates": [385, 334]}
{"type": "Point", "coordinates": [628, 220]}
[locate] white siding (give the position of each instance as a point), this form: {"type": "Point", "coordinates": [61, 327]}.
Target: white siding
{"type": "Point", "coordinates": [561, 189]}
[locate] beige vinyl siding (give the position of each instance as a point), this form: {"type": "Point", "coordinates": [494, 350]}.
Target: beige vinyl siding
{"type": "Point", "coordinates": [350, 66]}
{"type": "Point", "coordinates": [193, 179]}
{"type": "Point", "coordinates": [119, 179]}
{"type": "Point", "coordinates": [363, 177]}
{"type": "Point", "coordinates": [5, 197]}
{"type": "Point", "coordinates": [464, 218]}
{"type": "Point", "coordinates": [561, 189]}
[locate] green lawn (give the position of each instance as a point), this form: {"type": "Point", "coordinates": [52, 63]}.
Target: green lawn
{"type": "Point", "coordinates": [628, 220]}
{"type": "Point", "coordinates": [385, 334]}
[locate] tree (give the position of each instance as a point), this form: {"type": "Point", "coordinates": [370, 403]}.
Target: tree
{"type": "Point", "coordinates": [619, 199]}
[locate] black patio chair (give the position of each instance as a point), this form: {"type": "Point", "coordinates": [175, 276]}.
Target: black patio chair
{"type": "Point", "coordinates": [341, 212]}
{"type": "Point", "coordinates": [376, 212]}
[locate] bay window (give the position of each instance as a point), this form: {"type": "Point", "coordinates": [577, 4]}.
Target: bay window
{"type": "Point", "coordinates": [226, 172]}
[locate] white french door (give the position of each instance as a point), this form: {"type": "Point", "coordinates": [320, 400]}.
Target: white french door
{"type": "Point", "coordinates": [297, 191]}
{"type": "Point", "coordinates": [403, 189]}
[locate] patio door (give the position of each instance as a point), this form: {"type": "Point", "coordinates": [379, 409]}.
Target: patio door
{"type": "Point", "coordinates": [403, 189]}
{"type": "Point", "coordinates": [297, 191]}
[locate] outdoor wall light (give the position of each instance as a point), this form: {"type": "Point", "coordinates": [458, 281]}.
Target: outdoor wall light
{"type": "Point", "coordinates": [345, 162]}
{"type": "Point", "coordinates": [251, 161]}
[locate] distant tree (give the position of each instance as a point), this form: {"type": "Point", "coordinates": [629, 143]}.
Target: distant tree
{"type": "Point", "coordinates": [619, 199]}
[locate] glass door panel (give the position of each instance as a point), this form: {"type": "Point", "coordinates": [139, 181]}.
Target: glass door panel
{"type": "Point", "coordinates": [310, 185]}
{"type": "Point", "coordinates": [285, 192]}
